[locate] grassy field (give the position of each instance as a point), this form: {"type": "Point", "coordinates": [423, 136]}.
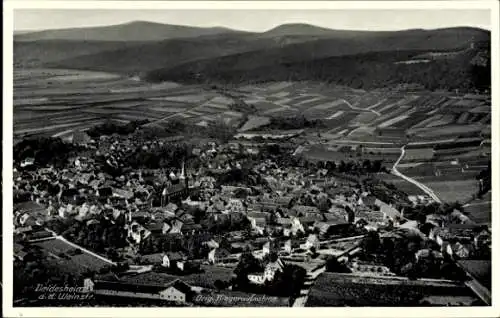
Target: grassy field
{"type": "Point", "coordinates": [451, 191]}
{"type": "Point", "coordinates": [72, 264]}
{"type": "Point", "coordinates": [480, 210]}
{"type": "Point", "coordinates": [82, 99]}
{"type": "Point", "coordinates": [401, 184]}
{"type": "Point", "coordinates": [204, 279]}
{"type": "Point", "coordinates": [332, 289]}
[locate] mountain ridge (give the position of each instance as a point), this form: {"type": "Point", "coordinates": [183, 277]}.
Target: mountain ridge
{"type": "Point", "coordinates": [155, 31]}
{"type": "Point", "coordinates": [130, 31]}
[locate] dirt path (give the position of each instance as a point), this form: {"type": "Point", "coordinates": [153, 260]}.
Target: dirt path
{"type": "Point", "coordinates": [423, 187]}
{"type": "Point", "coordinates": [362, 109]}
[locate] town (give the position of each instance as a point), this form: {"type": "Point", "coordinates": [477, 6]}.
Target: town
{"type": "Point", "coordinates": [166, 221]}
{"type": "Point", "coordinates": [266, 158]}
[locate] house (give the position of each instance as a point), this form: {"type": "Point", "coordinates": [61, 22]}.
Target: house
{"type": "Point", "coordinates": [170, 259]}
{"type": "Point", "coordinates": [216, 255]}
{"type": "Point", "coordinates": [176, 291]}
{"type": "Point", "coordinates": [304, 209]}
{"type": "Point", "coordinates": [19, 252]}
{"type": "Point", "coordinates": [20, 255]}
{"type": "Point", "coordinates": [23, 229]}
{"type": "Point", "coordinates": [259, 215]}
{"type": "Point", "coordinates": [190, 227]}
{"type": "Point", "coordinates": [120, 193]}
{"type": "Point", "coordinates": [462, 250]}
{"type": "Point", "coordinates": [28, 162]}
{"type": "Point", "coordinates": [326, 227]}
{"type": "Point", "coordinates": [459, 232]}
{"type": "Point", "coordinates": [69, 195]}
{"type": "Point", "coordinates": [312, 242]}
{"type": "Point", "coordinates": [388, 211]}
{"type": "Point", "coordinates": [269, 273]}
{"type": "Point", "coordinates": [258, 224]}
{"type": "Point", "coordinates": [179, 191]}
{"type": "Point", "coordinates": [369, 201]}
{"type": "Point", "coordinates": [104, 192]}
{"type": "Point", "coordinates": [459, 217]}
{"type": "Point", "coordinates": [156, 258]}
{"type": "Point", "coordinates": [140, 215]}
{"type": "Point", "coordinates": [308, 221]}
{"type": "Point", "coordinates": [136, 232]}
{"type": "Point", "coordinates": [436, 219]}
{"type": "Point", "coordinates": [39, 235]}
{"type": "Point", "coordinates": [235, 205]}
{"type": "Point", "coordinates": [170, 208]}
{"type": "Point", "coordinates": [482, 239]}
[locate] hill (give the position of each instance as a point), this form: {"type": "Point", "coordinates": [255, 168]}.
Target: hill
{"type": "Point", "coordinates": [143, 57]}
{"type": "Point", "coordinates": [298, 51]}
{"type": "Point", "coordinates": [132, 31]}
{"type": "Point", "coordinates": [38, 53]}
{"type": "Point", "coordinates": [253, 50]}
{"type": "Point", "coordinates": [360, 61]}
{"type": "Point", "coordinates": [366, 71]}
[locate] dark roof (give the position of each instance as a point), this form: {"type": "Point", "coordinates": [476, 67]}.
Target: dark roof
{"type": "Point", "coordinates": [28, 206]}
{"type": "Point", "coordinates": [69, 192]}
{"type": "Point", "coordinates": [264, 215]}
{"type": "Point", "coordinates": [154, 226]}
{"type": "Point", "coordinates": [190, 227]}
{"type": "Point", "coordinates": [176, 188]}
{"type": "Point", "coordinates": [124, 286]}
{"type": "Point", "coordinates": [105, 191]}
{"type": "Point", "coordinates": [40, 234]}
{"type": "Point", "coordinates": [308, 219]}
{"type": "Point", "coordinates": [175, 256]}
{"type": "Point", "coordinates": [154, 258]}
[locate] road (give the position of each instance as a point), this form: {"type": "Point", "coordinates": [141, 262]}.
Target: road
{"type": "Point", "coordinates": [423, 187]}
{"type": "Point", "coordinates": [361, 109]}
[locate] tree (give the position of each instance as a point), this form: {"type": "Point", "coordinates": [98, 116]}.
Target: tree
{"type": "Point", "coordinates": [324, 204]}
{"type": "Point", "coordinates": [371, 242]}
{"type": "Point", "coordinates": [333, 265]}
{"type": "Point", "coordinates": [248, 264]}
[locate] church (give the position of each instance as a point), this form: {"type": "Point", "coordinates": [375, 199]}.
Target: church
{"type": "Point", "coordinates": [175, 192]}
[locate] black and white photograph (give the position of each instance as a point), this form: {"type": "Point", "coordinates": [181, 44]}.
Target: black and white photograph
{"type": "Point", "coordinates": [166, 156]}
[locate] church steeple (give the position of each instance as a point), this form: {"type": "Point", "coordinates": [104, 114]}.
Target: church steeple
{"type": "Point", "coordinates": [183, 174]}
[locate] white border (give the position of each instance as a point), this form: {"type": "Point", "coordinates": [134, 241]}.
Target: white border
{"type": "Point", "coordinates": [9, 311]}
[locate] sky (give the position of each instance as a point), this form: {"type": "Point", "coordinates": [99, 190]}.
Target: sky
{"type": "Point", "coordinates": [255, 20]}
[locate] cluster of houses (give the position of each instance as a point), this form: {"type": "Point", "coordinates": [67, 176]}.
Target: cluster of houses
{"type": "Point", "coordinates": [293, 212]}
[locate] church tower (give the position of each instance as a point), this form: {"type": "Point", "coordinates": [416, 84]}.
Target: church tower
{"type": "Point", "coordinates": [183, 177]}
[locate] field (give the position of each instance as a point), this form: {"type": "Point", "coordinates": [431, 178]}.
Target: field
{"type": "Point", "coordinates": [51, 101]}
{"type": "Point", "coordinates": [345, 153]}
{"type": "Point", "coordinates": [332, 289]}
{"type": "Point", "coordinates": [436, 125]}
{"type": "Point", "coordinates": [451, 191]}
{"type": "Point", "coordinates": [205, 279]}
{"type": "Point", "coordinates": [79, 99]}
{"type": "Point", "coordinates": [72, 264]}
{"type": "Point", "coordinates": [480, 209]}
{"type": "Point", "coordinates": [401, 184]}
